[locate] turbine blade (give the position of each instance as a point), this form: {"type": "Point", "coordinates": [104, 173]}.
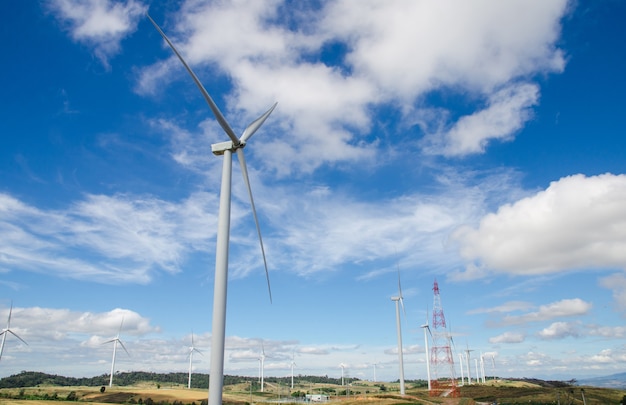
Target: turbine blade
{"type": "Point", "coordinates": [123, 347]}
{"type": "Point", "coordinates": [244, 171]}
{"type": "Point", "coordinates": [14, 334]}
{"type": "Point", "coordinates": [216, 111]}
{"type": "Point", "coordinates": [256, 124]}
{"type": "Point", "coordinates": [9, 319]}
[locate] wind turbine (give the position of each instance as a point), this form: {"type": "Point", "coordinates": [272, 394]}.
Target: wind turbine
{"type": "Point", "coordinates": [342, 366]}
{"type": "Point", "coordinates": [399, 300]}
{"type": "Point", "coordinates": [191, 350]}
{"type": "Point", "coordinates": [115, 341]}
{"type": "Point", "coordinates": [467, 364]}
{"type": "Point", "coordinates": [262, 365]}
{"type": "Point", "coordinates": [427, 327]}
{"type": "Point", "coordinates": [293, 364]}
{"type": "Point", "coordinates": [482, 367]}
{"type": "Point", "coordinates": [226, 150]}
{"type": "Point", "coordinates": [461, 364]}
{"type": "Point", "coordinates": [375, 364]}
{"type": "Point", "coordinates": [8, 330]}
{"type": "Point", "coordinates": [477, 373]}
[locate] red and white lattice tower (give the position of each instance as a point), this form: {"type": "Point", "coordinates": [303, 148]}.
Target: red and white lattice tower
{"type": "Point", "coordinates": [441, 359]}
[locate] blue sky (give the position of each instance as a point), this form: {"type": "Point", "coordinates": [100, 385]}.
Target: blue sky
{"type": "Point", "coordinates": [477, 143]}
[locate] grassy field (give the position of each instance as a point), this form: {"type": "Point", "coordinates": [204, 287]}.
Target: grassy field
{"type": "Point", "coordinates": [365, 393]}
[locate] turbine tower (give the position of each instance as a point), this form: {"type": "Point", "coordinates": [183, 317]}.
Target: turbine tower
{"type": "Point", "coordinates": [461, 364]}
{"type": "Point", "coordinates": [262, 365]}
{"type": "Point", "coordinates": [190, 355]}
{"type": "Point", "coordinates": [115, 341]}
{"type": "Point", "coordinates": [427, 328]}
{"type": "Point", "coordinates": [444, 380]}
{"type": "Point", "coordinates": [467, 364]}
{"type": "Point", "coordinates": [293, 364]}
{"type": "Point", "coordinates": [225, 149]}
{"type": "Point", "coordinates": [8, 330]}
{"type": "Point", "coordinates": [399, 300]}
{"type": "Point", "coordinates": [342, 366]}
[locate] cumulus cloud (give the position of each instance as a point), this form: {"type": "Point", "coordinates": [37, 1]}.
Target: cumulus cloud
{"type": "Point", "coordinates": [559, 330]}
{"type": "Point", "coordinates": [578, 222]}
{"type": "Point", "coordinates": [559, 309]}
{"type": "Point", "coordinates": [99, 24]}
{"type": "Point", "coordinates": [347, 59]}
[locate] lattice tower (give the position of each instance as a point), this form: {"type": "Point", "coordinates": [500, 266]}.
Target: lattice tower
{"type": "Point", "coordinates": [441, 359]}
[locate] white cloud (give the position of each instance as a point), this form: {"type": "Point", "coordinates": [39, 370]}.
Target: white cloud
{"type": "Point", "coordinates": [100, 24]}
{"type": "Point", "coordinates": [559, 330]}
{"type": "Point", "coordinates": [558, 309]}
{"type": "Point", "coordinates": [130, 236]}
{"type": "Point", "coordinates": [507, 111]}
{"type": "Point", "coordinates": [508, 337]}
{"type": "Point", "coordinates": [617, 284]}
{"type": "Point", "coordinates": [506, 307]}
{"type": "Point", "coordinates": [577, 223]}
{"type": "Point", "coordinates": [486, 50]}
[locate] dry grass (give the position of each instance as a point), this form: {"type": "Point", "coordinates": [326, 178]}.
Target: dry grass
{"type": "Point", "coordinates": [502, 391]}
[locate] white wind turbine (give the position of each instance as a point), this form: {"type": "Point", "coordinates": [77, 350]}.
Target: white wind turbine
{"type": "Point", "coordinates": [192, 349]}
{"type": "Point", "coordinates": [293, 364]}
{"type": "Point", "coordinates": [467, 364]}
{"type": "Point", "coordinates": [342, 366]}
{"type": "Point", "coordinates": [427, 327]}
{"type": "Point", "coordinates": [375, 364]}
{"type": "Point", "coordinates": [8, 330]}
{"type": "Point", "coordinates": [461, 364]}
{"type": "Point", "coordinates": [482, 367]}
{"type": "Point", "coordinates": [115, 341]}
{"type": "Point", "coordinates": [262, 365]}
{"type": "Point", "coordinates": [477, 373]}
{"type": "Point", "coordinates": [225, 149]}
{"type": "Point", "coordinates": [399, 300]}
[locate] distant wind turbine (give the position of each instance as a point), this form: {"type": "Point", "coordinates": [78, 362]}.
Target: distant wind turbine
{"type": "Point", "coordinates": [262, 365]}
{"type": "Point", "coordinates": [191, 350]}
{"type": "Point", "coordinates": [8, 330]}
{"type": "Point", "coordinates": [467, 364]}
{"type": "Point", "coordinates": [461, 364]}
{"type": "Point", "coordinates": [482, 367]}
{"type": "Point", "coordinates": [115, 341]}
{"type": "Point", "coordinates": [477, 373]}
{"type": "Point", "coordinates": [375, 364]}
{"type": "Point", "coordinates": [399, 300]}
{"type": "Point", "coordinates": [293, 364]}
{"type": "Point", "coordinates": [226, 149]}
{"type": "Point", "coordinates": [426, 327]}
{"type": "Point", "coordinates": [342, 366]}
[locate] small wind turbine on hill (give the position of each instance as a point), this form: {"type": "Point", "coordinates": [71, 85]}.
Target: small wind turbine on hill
{"type": "Point", "coordinates": [426, 327]}
{"type": "Point", "coordinates": [225, 149]}
{"type": "Point", "coordinates": [115, 341]}
{"type": "Point", "coordinates": [192, 349]}
{"type": "Point", "coordinates": [8, 330]}
{"type": "Point", "coordinates": [342, 366]}
{"type": "Point", "coordinates": [262, 366]}
{"type": "Point", "coordinates": [293, 364]}
{"type": "Point", "coordinates": [399, 300]}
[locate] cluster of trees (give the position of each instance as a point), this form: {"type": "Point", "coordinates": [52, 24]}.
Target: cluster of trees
{"type": "Point", "coordinates": [198, 380]}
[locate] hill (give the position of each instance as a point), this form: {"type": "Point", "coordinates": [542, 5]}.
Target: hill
{"type": "Point", "coordinates": [609, 381]}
